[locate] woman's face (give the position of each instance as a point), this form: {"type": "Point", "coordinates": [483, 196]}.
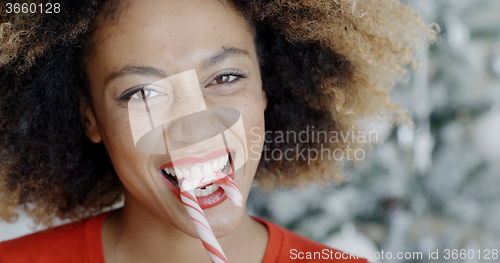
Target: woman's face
{"type": "Point", "coordinates": [155, 42]}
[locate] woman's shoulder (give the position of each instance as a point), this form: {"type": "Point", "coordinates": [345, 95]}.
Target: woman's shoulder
{"type": "Point", "coordinates": [75, 242]}
{"type": "Point", "coordinates": [287, 246]}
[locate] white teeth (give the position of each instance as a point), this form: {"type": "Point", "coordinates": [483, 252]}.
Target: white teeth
{"type": "Point", "coordinates": [178, 173]}
{"type": "Point", "coordinates": [215, 165]}
{"type": "Point", "coordinates": [207, 191]}
{"type": "Point", "coordinates": [186, 173]}
{"type": "Point", "coordinates": [199, 170]}
{"type": "Point", "coordinates": [207, 170]}
{"type": "Point", "coordinates": [222, 161]}
{"type": "Point", "coordinates": [210, 189]}
{"type": "Point", "coordinates": [196, 172]}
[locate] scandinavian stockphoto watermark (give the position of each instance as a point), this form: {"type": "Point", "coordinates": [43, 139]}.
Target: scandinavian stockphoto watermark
{"type": "Point", "coordinates": [323, 140]}
{"type": "Point", "coordinates": [325, 254]}
{"type": "Point", "coordinates": [473, 255]}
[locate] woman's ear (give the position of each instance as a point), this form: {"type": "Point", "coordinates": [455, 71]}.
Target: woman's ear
{"type": "Point", "coordinates": [91, 129]}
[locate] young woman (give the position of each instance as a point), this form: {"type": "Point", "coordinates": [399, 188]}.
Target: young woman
{"type": "Point", "coordinates": [70, 81]}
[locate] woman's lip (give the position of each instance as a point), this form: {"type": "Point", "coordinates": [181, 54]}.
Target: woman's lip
{"type": "Point", "coordinates": [193, 160]}
{"type": "Point", "coordinates": [205, 202]}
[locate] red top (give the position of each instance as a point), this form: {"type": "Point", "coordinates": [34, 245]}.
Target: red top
{"type": "Point", "coordinates": [81, 242]}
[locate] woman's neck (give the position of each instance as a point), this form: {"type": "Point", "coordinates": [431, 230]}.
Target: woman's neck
{"type": "Point", "coordinates": [134, 234]}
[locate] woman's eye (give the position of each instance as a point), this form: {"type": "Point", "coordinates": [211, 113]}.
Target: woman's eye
{"type": "Point", "coordinates": [145, 94]}
{"type": "Point", "coordinates": [222, 79]}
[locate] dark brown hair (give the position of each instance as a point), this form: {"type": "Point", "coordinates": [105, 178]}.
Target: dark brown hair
{"type": "Point", "coordinates": [326, 64]}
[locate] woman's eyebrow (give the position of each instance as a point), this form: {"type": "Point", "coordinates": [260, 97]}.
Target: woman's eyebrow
{"type": "Point", "coordinates": [223, 54]}
{"type": "Point", "coordinates": [219, 57]}
{"type": "Point", "coordinates": [135, 70]}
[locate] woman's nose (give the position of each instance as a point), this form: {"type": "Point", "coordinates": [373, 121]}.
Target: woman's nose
{"type": "Point", "coordinates": [190, 129]}
{"type": "Point", "coordinates": [186, 119]}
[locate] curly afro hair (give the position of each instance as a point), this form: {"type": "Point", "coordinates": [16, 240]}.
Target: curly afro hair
{"type": "Point", "coordinates": [324, 63]}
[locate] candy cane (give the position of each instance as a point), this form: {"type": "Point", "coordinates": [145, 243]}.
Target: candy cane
{"type": "Point", "coordinates": [202, 227]}
{"type": "Point", "coordinates": [194, 210]}
{"type": "Point", "coordinates": [232, 191]}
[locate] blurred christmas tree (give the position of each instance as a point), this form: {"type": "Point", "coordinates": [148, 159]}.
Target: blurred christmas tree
{"type": "Point", "coordinates": [436, 186]}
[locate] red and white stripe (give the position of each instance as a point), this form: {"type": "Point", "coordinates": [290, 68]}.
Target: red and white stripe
{"type": "Point", "coordinates": [232, 191]}
{"type": "Point", "coordinates": [194, 210]}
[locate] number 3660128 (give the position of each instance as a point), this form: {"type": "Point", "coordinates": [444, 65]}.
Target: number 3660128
{"type": "Point", "coordinates": [24, 8]}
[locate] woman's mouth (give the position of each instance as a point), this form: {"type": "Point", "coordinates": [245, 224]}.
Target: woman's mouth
{"type": "Point", "coordinates": [208, 195]}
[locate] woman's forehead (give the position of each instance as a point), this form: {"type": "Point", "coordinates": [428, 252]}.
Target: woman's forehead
{"type": "Point", "coordinates": [169, 34]}
{"type": "Point", "coordinates": [175, 27]}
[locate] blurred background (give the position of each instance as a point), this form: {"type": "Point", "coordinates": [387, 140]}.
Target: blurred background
{"type": "Point", "coordinates": [436, 186]}
{"type": "Point", "coordinates": [433, 187]}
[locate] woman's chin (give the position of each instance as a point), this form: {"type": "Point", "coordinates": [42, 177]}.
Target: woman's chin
{"type": "Point", "coordinates": [223, 219]}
